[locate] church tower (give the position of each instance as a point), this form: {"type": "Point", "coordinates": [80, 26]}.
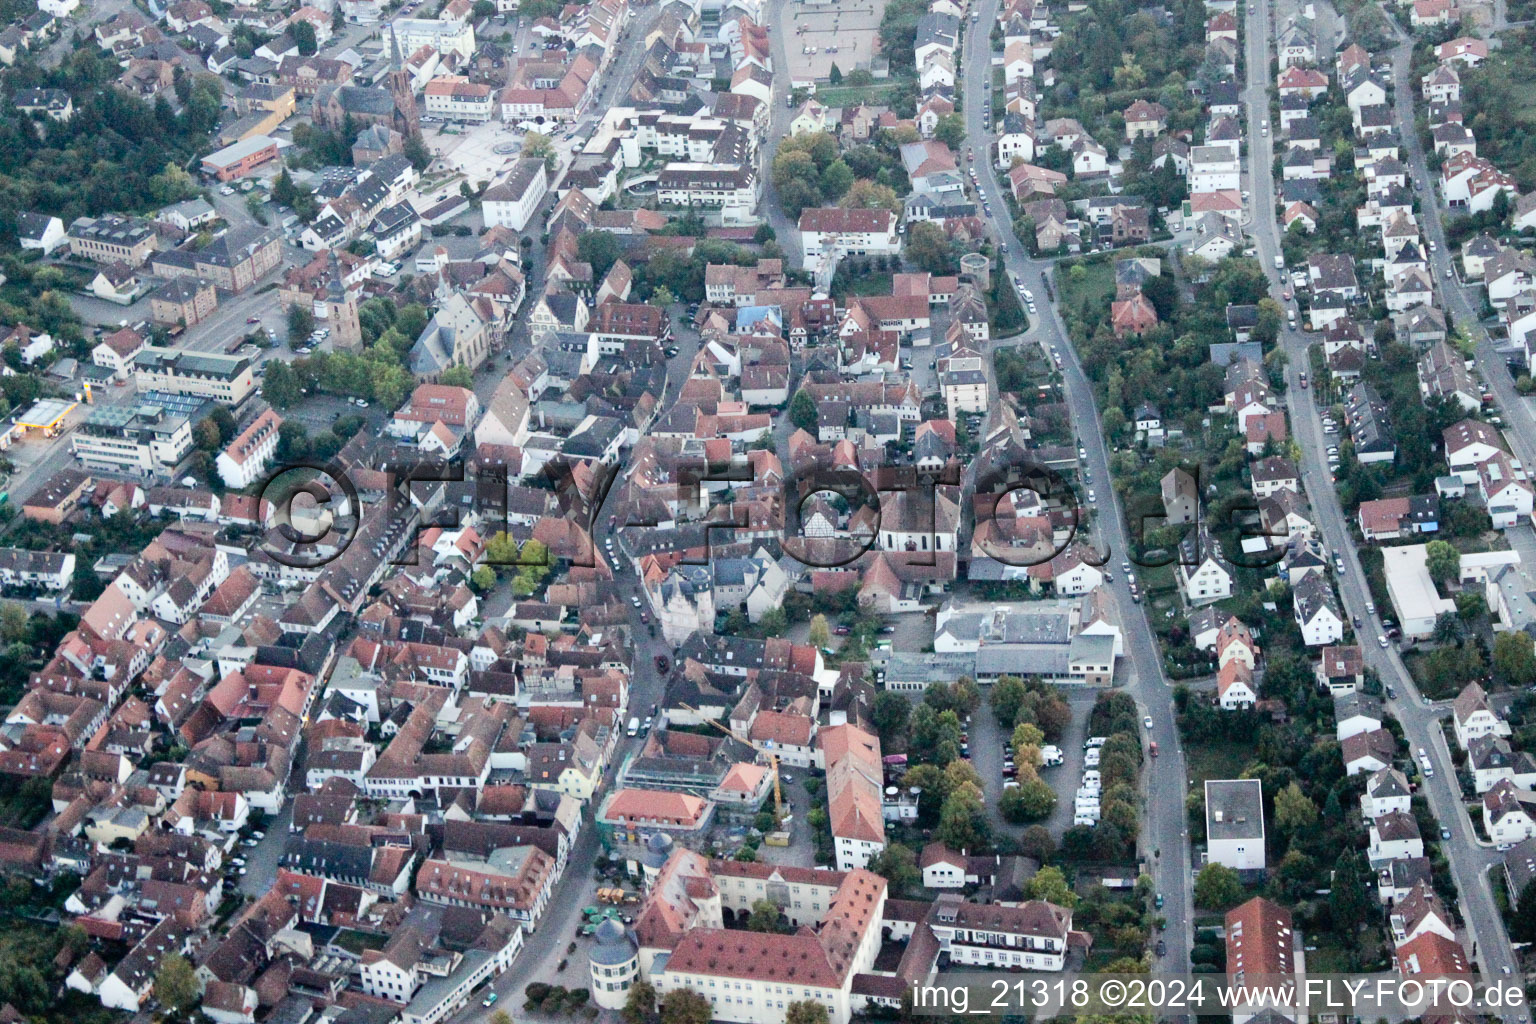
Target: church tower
{"type": "Point", "coordinates": [407, 122]}
{"type": "Point", "coordinates": [341, 311]}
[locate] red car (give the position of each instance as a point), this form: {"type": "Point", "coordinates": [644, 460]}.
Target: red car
{"type": "Point", "coordinates": [662, 663]}
{"type": "Point", "coordinates": [253, 319]}
{"type": "Point", "coordinates": [1303, 380]}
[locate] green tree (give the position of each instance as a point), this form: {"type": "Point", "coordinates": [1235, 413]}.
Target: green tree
{"type": "Point", "coordinates": [805, 1011]}
{"type": "Point", "coordinates": [835, 75]}
{"type": "Point", "coordinates": [457, 377]}
{"type": "Point", "coordinates": [1050, 884]}
{"type": "Point", "coordinates": [836, 180]}
{"type": "Point", "coordinates": [600, 249]}
{"type": "Point", "coordinates": [303, 37]}
{"type": "Point", "coordinates": [764, 917]}
{"type": "Point", "coordinates": [1294, 810]}
{"type": "Point", "coordinates": [15, 624]}
{"type": "Point", "coordinates": [950, 130]}
{"type": "Point", "coordinates": [962, 821]}
{"type": "Point", "coordinates": [930, 248]}
{"type": "Point", "coordinates": [538, 146]}
{"type": "Point", "coordinates": [534, 564]}
{"type": "Point", "coordinates": [1008, 694]}
{"type": "Point", "coordinates": [1514, 658]}
{"type": "Point", "coordinates": [482, 579]}
{"type": "Point", "coordinates": [1030, 800]}
{"type": "Point", "coordinates": [206, 436]}
{"type": "Point", "coordinates": [820, 635]}
{"type": "Point", "coordinates": [803, 413]}
{"type": "Point", "coordinates": [890, 713]}
{"type": "Point", "coordinates": [501, 554]}
{"type": "Point", "coordinates": [662, 296]}
{"type": "Point", "coordinates": [1349, 896]}
{"type": "Point", "coordinates": [176, 985]}
{"type": "Point", "coordinates": [501, 1017]}
{"type": "Point", "coordinates": [897, 864]}
{"type": "Point", "coordinates": [685, 1006]}
{"type": "Point", "coordinates": [1217, 887]}
{"type": "Point", "coordinates": [1442, 560]}
{"type": "Point", "coordinates": [293, 442]}
{"type": "Point", "coordinates": [640, 1003]}
{"type": "Point", "coordinates": [301, 321]}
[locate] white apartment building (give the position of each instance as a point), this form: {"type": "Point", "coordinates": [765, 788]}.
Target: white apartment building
{"type": "Point", "coordinates": [249, 455]}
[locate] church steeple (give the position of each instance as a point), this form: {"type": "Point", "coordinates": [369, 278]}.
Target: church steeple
{"type": "Point", "coordinates": [341, 310]}
{"type": "Point", "coordinates": [399, 85]}
{"type": "Point", "coordinates": [335, 291]}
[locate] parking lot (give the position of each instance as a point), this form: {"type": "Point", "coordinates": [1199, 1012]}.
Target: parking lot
{"type": "Point", "coordinates": [987, 738]}
{"type": "Point", "coordinates": [840, 33]}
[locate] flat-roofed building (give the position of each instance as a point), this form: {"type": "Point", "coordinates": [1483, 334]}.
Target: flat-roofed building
{"type": "Point", "coordinates": [241, 158]}
{"type": "Point", "coordinates": [222, 378]}
{"type": "Point", "coordinates": [1234, 823]}
{"type": "Point", "coordinates": [144, 440]}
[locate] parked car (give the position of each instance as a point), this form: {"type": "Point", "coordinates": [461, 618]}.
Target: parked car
{"type": "Point", "coordinates": [489, 1000]}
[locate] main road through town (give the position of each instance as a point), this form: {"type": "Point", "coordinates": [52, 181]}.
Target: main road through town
{"type": "Point", "coordinates": [1165, 831]}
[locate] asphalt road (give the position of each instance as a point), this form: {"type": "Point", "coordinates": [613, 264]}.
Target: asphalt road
{"type": "Point", "coordinates": [1469, 861]}
{"type": "Point", "coordinates": [546, 946]}
{"type": "Point", "coordinates": [1164, 828]}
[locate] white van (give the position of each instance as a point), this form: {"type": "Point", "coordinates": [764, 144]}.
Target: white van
{"type": "Point", "coordinates": [1091, 758]}
{"type": "Point", "coordinates": [634, 727]}
{"type": "Point", "coordinates": [1051, 756]}
{"type": "Point", "coordinates": [1093, 741]}
{"type": "Point", "coordinates": [1083, 819]}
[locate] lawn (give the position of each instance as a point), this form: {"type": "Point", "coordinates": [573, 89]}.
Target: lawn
{"type": "Point", "coordinates": [1216, 760]}
{"type": "Point", "coordinates": [358, 942]}
{"type": "Point", "coordinates": [849, 95]}
{"type": "Point", "coordinates": [862, 284]}
{"type": "Point", "coordinates": [1096, 281]}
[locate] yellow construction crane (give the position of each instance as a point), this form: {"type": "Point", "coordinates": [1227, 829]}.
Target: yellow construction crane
{"type": "Point", "coordinates": [773, 761]}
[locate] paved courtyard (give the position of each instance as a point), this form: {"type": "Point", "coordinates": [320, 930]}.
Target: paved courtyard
{"type": "Point", "coordinates": [479, 152]}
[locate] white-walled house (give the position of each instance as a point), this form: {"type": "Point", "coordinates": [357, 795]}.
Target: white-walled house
{"type": "Point", "coordinates": [1509, 814]}
{"type": "Point", "coordinates": [1386, 790]}
{"type": "Point", "coordinates": [1394, 836]}
{"type": "Point", "coordinates": [1234, 823]}
{"type": "Point", "coordinates": [1472, 716]}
